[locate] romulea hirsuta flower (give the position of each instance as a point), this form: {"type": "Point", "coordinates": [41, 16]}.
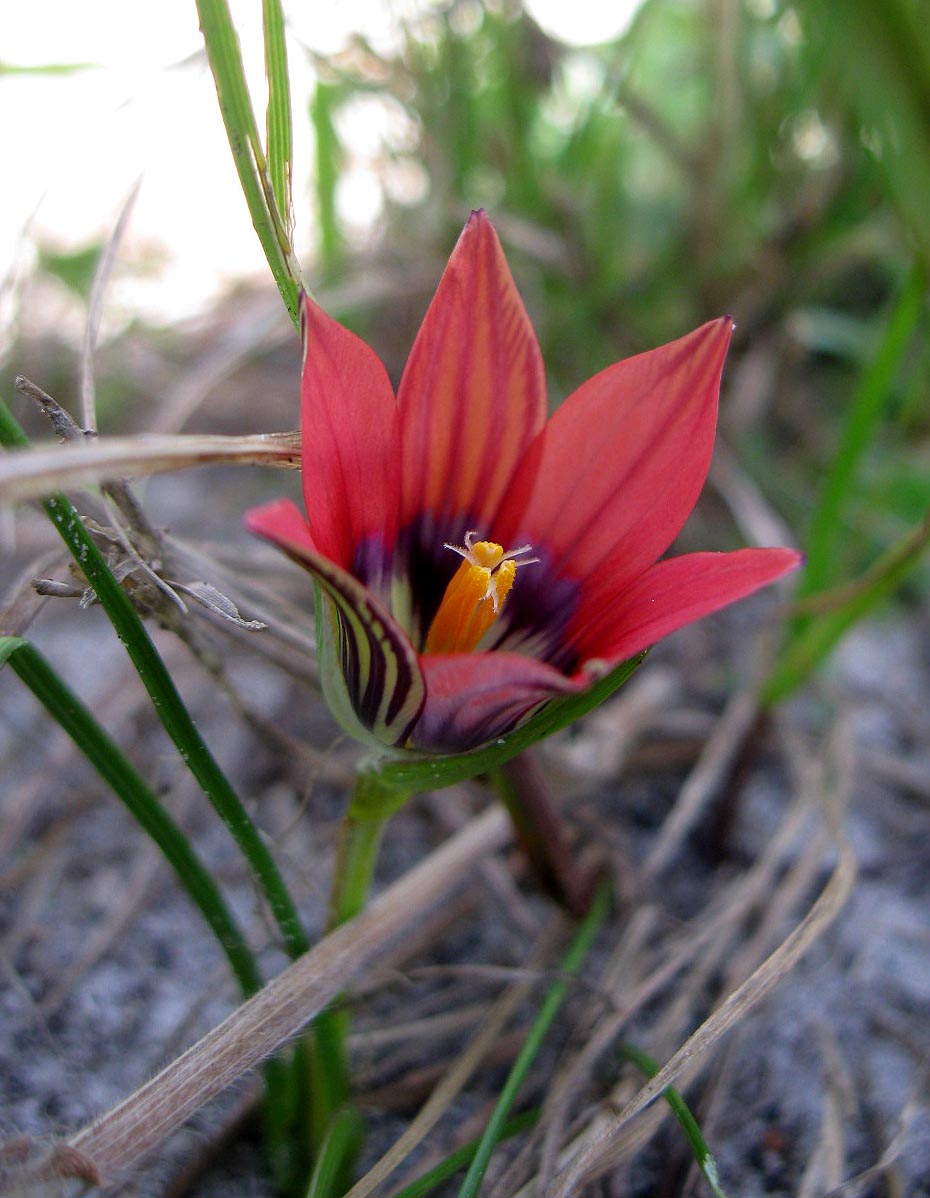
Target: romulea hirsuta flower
{"type": "Point", "coordinates": [473, 559]}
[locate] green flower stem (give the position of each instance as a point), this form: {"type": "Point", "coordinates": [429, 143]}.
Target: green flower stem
{"type": "Point", "coordinates": [168, 703]}
{"type": "Point", "coordinates": [129, 786]}
{"type": "Point", "coordinates": [359, 841]}
{"type": "Point", "coordinates": [524, 790]}
{"type": "Point", "coordinates": [577, 952]}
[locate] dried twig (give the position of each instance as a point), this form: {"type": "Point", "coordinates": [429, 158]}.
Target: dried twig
{"type": "Point", "coordinates": [136, 1126]}
{"type": "Point", "coordinates": [452, 1082]}
{"type": "Point", "coordinates": [32, 473]}
{"type": "Point", "coordinates": [598, 1146]}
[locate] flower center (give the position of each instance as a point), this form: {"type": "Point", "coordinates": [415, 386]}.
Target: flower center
{"type": "Point", "coordinates": [475, 596]}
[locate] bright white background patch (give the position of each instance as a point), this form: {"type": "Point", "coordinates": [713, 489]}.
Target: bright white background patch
{"type": "Point", "coordinates": [583, 22]}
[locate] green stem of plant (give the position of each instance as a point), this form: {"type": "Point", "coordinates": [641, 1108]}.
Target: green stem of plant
{"type": "Point", "coordinates": [577, 952]}
{"type": "Point", "coordinates": [129, 786]}
{"type": "Point", "coordinates": [167, 702]}
{"type": "Point", "coordinates": [359, 841]}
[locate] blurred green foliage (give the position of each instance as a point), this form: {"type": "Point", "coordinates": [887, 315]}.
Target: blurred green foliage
{"type": "Point", "coordinates": [75, 268]}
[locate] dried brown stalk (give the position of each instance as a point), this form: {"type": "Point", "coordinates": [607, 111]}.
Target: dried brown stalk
{"type": "Point", "coordinates": [597, 1148]}
{"type": "Point", "coordinates": [253, 1032]}
{"type": "Point", "coordinates": [32, 473]}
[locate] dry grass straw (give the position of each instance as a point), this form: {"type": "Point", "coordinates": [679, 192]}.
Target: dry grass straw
{"type": "Point", "coordinates": [455, 1079]}
{"type": "Point", "coordinates": [255, 1030]}
{"type": "Point", "coordinates": [102, 276]}
{"type": "Point", "coordinates": [611, 1136]}
{"type": "Point", "coordinates": [31, 473]}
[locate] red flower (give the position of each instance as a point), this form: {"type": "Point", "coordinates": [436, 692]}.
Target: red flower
{"type": "Point", "coordinates": [473, 559]}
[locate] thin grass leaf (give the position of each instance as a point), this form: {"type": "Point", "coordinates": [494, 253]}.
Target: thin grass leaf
{"type": "Point", "coordinates": [167, 701]}
{"type": "Point", "coordinates": [339, 1147]}
{"type": "Point", "coordinates": [328, 157]}
{"type": "Point", "coordinates": [50, 68]}
{"type": "Point", "coordinates": [278, 116]}
{"type": "Point", "coordinates": [703, 1156]}
{"type": "Point", "coordinates": [128, 785]}
{"type": "Point", "coordinates": [578, 951]}
{"type": "Point", "coordinates": [812, 645]}
{"type": "Point", "coordinates": [427, 1182]}
{"type": "Point", "coordinates": [101, 281]}
{"type": "Point", "coordinates": [225, 60]}
{"type": "Point", "coordinates": [869, 403]}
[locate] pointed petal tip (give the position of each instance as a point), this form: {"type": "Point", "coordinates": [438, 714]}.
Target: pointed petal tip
{"type": "Point", "coordinates": [473, 394]}
{"type": "Point", "coordinates": [280, 517]}
{"type": "Point", "coordinates": [777, 561]}
{"type": "Point", "coordinates": [721, 326]}
{"type": "Point", "coordinates": [673, 593]}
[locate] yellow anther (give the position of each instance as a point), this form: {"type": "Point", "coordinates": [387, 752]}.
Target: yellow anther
{"type": "Point", "coordinates": [475, 596]}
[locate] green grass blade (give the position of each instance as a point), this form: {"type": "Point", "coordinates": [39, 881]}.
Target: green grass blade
{"type": "Point", "coordinates": [225, 60]}
{"type": "Point", "coordinates": [278, 116]}
{"type": "Point", "coordinates": [703, 1156]}
{"type": "Point", "coordinates": [338, 1149]}
{"type": "Point", "coordinates": [48, 68]}
{"type": "Point", "coordinates": [577, 952]}
{"type": "Point", "coordinates": [108, 760]}
{"type": "Point", "coordinates": [866, 409]}
{"type": "Point", "coordinates": [167, 702]}
{"type": "Point", "coordinates": [427, 1182]}
{"type": "Point", "coordinates": [805, 652]}
{"type": "Point", "coordinates": [328, 156]}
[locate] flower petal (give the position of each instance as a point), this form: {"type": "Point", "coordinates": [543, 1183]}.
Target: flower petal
{"type": "Point", "coordinates": [369, 670]}
{"type": "Point", "coordinates": [615, 623]}
{"type": "Point", "coordinates": [473, 698]}
{"type": "Point", "coordinates": [473, 392]}
{"type": "Point", "coordinates": [614, 475]}
{"type": "Point", "coordinates": [350, 445]}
